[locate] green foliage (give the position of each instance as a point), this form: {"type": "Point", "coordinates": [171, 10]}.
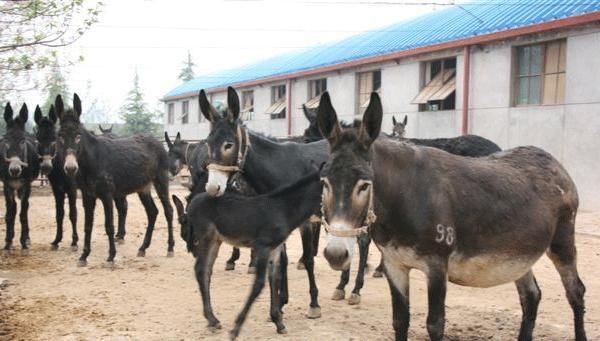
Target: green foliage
{"type": "Point", "coordinates": [138, 118]}
{"type": "Point", "coordinates": [187, 73]}
{"type": "Point", "coordinates": [31, 30]}
{"type": "Point", "coordinates": [55, 84]}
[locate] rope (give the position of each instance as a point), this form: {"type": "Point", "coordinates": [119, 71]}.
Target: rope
{"type": "Point", "coordinates": [370, 218]}
{"type": "Point", "coordinates": [244, 147]}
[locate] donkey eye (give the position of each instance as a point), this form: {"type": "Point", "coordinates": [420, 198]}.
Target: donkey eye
{"type": "Point", "coordinates": [228, 145]}
{"type": "Point", "coordinates": [77, 139]}
{"type": "Point", "coordinates": [363, 187]}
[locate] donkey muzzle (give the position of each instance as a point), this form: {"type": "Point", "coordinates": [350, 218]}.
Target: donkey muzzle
{"type": "Point", "coordinates": [14, 170]}
{"type": "Point", "coordinates": [46, 166]}
{"type": "Point", "coordinates": [71, 166]}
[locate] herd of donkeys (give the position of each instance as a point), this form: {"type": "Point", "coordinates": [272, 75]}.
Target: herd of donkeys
{"type": "Point", "coordinates": [458, 209]}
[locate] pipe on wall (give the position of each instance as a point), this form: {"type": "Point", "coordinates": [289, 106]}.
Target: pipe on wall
{"type": "Point", "coordinates": [465, 99]}
{"type": "Point", "coordinates": [288, 109]}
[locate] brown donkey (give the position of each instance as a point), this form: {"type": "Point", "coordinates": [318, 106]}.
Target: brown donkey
{"type": "Point", "coordinates": [476, 222]}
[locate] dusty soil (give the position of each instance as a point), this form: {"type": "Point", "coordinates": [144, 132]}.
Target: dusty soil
{"type": "Point", "coordinates": [47, 297]}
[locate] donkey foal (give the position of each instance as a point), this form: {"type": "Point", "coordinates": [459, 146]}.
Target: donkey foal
{"type": "Point", "coordinates": [261, 222]}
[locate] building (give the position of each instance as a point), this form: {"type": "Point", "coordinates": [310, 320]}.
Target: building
{"type": "Point", "coordinates": [519, 72]}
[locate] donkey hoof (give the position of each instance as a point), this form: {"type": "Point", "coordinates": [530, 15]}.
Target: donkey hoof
{"type": "Point", "coordinates": [300, 266]}
{"type": "Point", "coordinates": [314, 312]}
{"type": "Point", "coordinates": [28, 242]}
{"type": "Point", "coordinates": [74, 248]}
{"type": "Point", "coordinates": [5, 253]}
{"type": "Point", "coordinates": [354, 299]}
{"type": "Point", "coordinates": [120, 240]}
{"type": "Point", "coordinates": [24, 252]}
{"type": "Point", "coordinates": [338, 295]}
{"type": "Point", "coordinates": [215, 327]}
{"type": "Point", "coordinates": [231, 266]}
{"type": "Point", "coordinates": [53, 247]}
{"type": "Point", "coordinates": [281, 330]}
{"type": "Point", "coordinates": [170, 254]}
{"type": "Point", "coordinates": [110, 264]}
{"type": "Point", "coordinates": [82, 263]}
{"type": "Point", "coordinates": [251, 270]}
{"type": "Point", "coordinates": [141, 253]}
{"type": "Point", "coordinates": [377, 274]}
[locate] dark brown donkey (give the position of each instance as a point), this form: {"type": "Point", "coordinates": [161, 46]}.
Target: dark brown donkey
{"type": "Point", "coordinates": [473, 221]}
{"type": "Point", "coordinates": [108, 168]}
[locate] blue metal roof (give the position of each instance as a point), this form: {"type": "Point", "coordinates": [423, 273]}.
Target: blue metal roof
{"type": "Point", "coordinates": [457, 22]}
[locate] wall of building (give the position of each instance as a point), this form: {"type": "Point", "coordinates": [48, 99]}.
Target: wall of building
{"type": "Point", "coordinates": [571, 131]}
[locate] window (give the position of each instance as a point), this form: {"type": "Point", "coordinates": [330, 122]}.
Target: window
{"type": "Point", "coordinates": [185, 110]}
{"type": "Point", "coordinates": [368, 82]}
{"type": "Point", "coordinates": [247, 105]}
{"type": "Point", "coordinates": [277, 108]}
{"type": "Point", "coordinates": [540, 73]}
{"type": "Point", "coordinates": [315, 88]}
{"type": "Point", "coordinates": [439, 92]}
{"type": "Point", "coordinates": [171, 113]}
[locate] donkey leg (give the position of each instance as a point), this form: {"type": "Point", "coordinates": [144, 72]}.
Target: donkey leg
{"type": "Point", "coordinates": [72, 194]}
{"type": "Point", "coordinates": [59, 202]}
{"type": "Point", "coordinates": [24, 193]}
{"type": "Point", "coordinates": [529, 296]}
{"type": "Point", "coordinates": [89, 204]}
{"type": "Point", "coordinates": [283, 265]}
{"type": "Point", "coordinates": [275, 286]}
{"type": "Point", "coordinates": [316, 230]}
{"type": "Point", "coordinates": [398, 281]}
{"type": "Point", "coordinates": [378, 273]}
{"type": "Point", "coordinates": [262, 258]}
{"type": "Point", "coordinates": [563, 254]}
{"type": "Point", "coordinates": [205, 260]}
{"type": "Point", "coordinates": [436, 296]}
{"type": "Point", "coordinates": [107, 203]}
{"type": "Point", "coordinates": [121, 205]}
{"type": "Point", "coordinates": [161, 185]}
{"type": "Point", "coordinates": [340, 293]}
{"type": "Point", "coordinates": [151, 212]}
{"type": "Point", "coordinates": [11, 214]}
{"type": "Point", "coordinates": [252, 264]}
{"type": "Point", "coordinates": [363, 250]}
{"type": "Point", "coordinates": [235, 255]}
{"type": "Point", "coordinates": [305, 232]}
{"type": "Point", "coordinates": [314, 310]}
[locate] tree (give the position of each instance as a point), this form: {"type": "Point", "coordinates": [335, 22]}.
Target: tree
{"type": "Point", "coordinates": [55, 84]}
{"type": "Point", "coordinates": [138, 119]}
{"type": "Point", "coordinates": [29, 30]}
{"type": "Point", "coordinates": [187, 73]}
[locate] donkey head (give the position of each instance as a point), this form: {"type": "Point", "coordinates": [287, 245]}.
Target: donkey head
{"type": "Point", "coordinates": [176, 151]}
{"type": "Point", "coordinates": [18, 151]}
{"type": "Point", "coordinates": [312, 133]}
{"type": "Point", "coordinates": [46, 136]}
{"type": "Point", "coordinates": [69, 134]}
{"type": "Point", "coordinates": [105, 131]}
{"type": "Point", "coordinates": [227, 142]}
{"type": "Point", "coordinates": [399, 127]}
{"type": "Point", "coordinates": [347, 178]}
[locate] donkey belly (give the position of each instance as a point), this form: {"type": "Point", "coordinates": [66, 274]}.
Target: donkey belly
{"type": "Point", "coordinates": [489, 269]}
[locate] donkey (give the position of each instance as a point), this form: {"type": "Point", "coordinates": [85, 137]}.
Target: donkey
{"type": "Point", "coordinates": [265, 164]}
{"type": "Point", "coordinates": [262, 223]}
{"type": "Point", "coordinates": [106, 132]}
{"type": "Point", "coordinates": [194, 156]}
{"type": "Point", "coordinates": [111, 168]}
{"type": "Point", "coordinates": [20, 167]}
{"type": "Point", "coordinates": [473, 221]}
{"type": "Point", "coordinates": [399, 128]}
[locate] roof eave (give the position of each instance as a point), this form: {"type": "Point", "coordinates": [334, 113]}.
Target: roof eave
{"type": "Point", "coordinates": [485, 38]}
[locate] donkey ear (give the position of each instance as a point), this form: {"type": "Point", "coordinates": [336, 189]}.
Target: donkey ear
{"type": "Point", "coordinates": [37, 115]}
{"type": "Point", "coordinates": [178, 137]}
{"type": "Point", "coordinates": [168, 140]}
{"type": "Point", "coordinates": [24, 113]}
{"type": "Point", "coordinates": [51, 114]}
{"type": "Point", "coordinates": [233, 104]}
{"type": "Point", "coordinates": [327, 119]}
{"type": "Point", "coordinates": [394, 121]}
{"type": "Point", "coordinates": [178, 206]}
{"type": "Point", "coordinates": [59, 105]}
{"type": "Point", "coordinates": [310, 116]}
{"type": "Point", "coordinates": [405, 120]}
{"type": "Point", "coordinates": [371, 123]}
{"type": "Point", "coordinates": [77, 105]}
{"type": "Point", "coordinates": [8, 113]}
{"type": "Point", "coordinates": [207, 109]}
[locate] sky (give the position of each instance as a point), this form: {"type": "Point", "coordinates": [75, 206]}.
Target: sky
{"type": "Point", "coordinates": [154, 36]}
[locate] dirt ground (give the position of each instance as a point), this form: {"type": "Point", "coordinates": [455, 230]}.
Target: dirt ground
{"type": "Point", "coordinates": [45, 296]}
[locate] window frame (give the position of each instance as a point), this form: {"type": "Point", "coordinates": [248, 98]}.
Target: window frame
{"type": "Point", "coordinates": [375, 86]}
{"type": "Point", "coordinates": [276, 96]}
{"type": "Point", "coordinates": [427, 76]}
{"type": "Point", "coordinates": [185, 114]}
{"type": "Point", "coordinates": [170, 113]}
{"type": "Point", "coordinates": [249, 114]}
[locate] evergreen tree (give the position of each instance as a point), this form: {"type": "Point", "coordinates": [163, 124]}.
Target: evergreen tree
{"type": "Point", "coordinates": [138, 119]}
{"type": "Point", "coordinates": [187, 73]}
{"type": "Point", "coordinates": [55, 84]}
